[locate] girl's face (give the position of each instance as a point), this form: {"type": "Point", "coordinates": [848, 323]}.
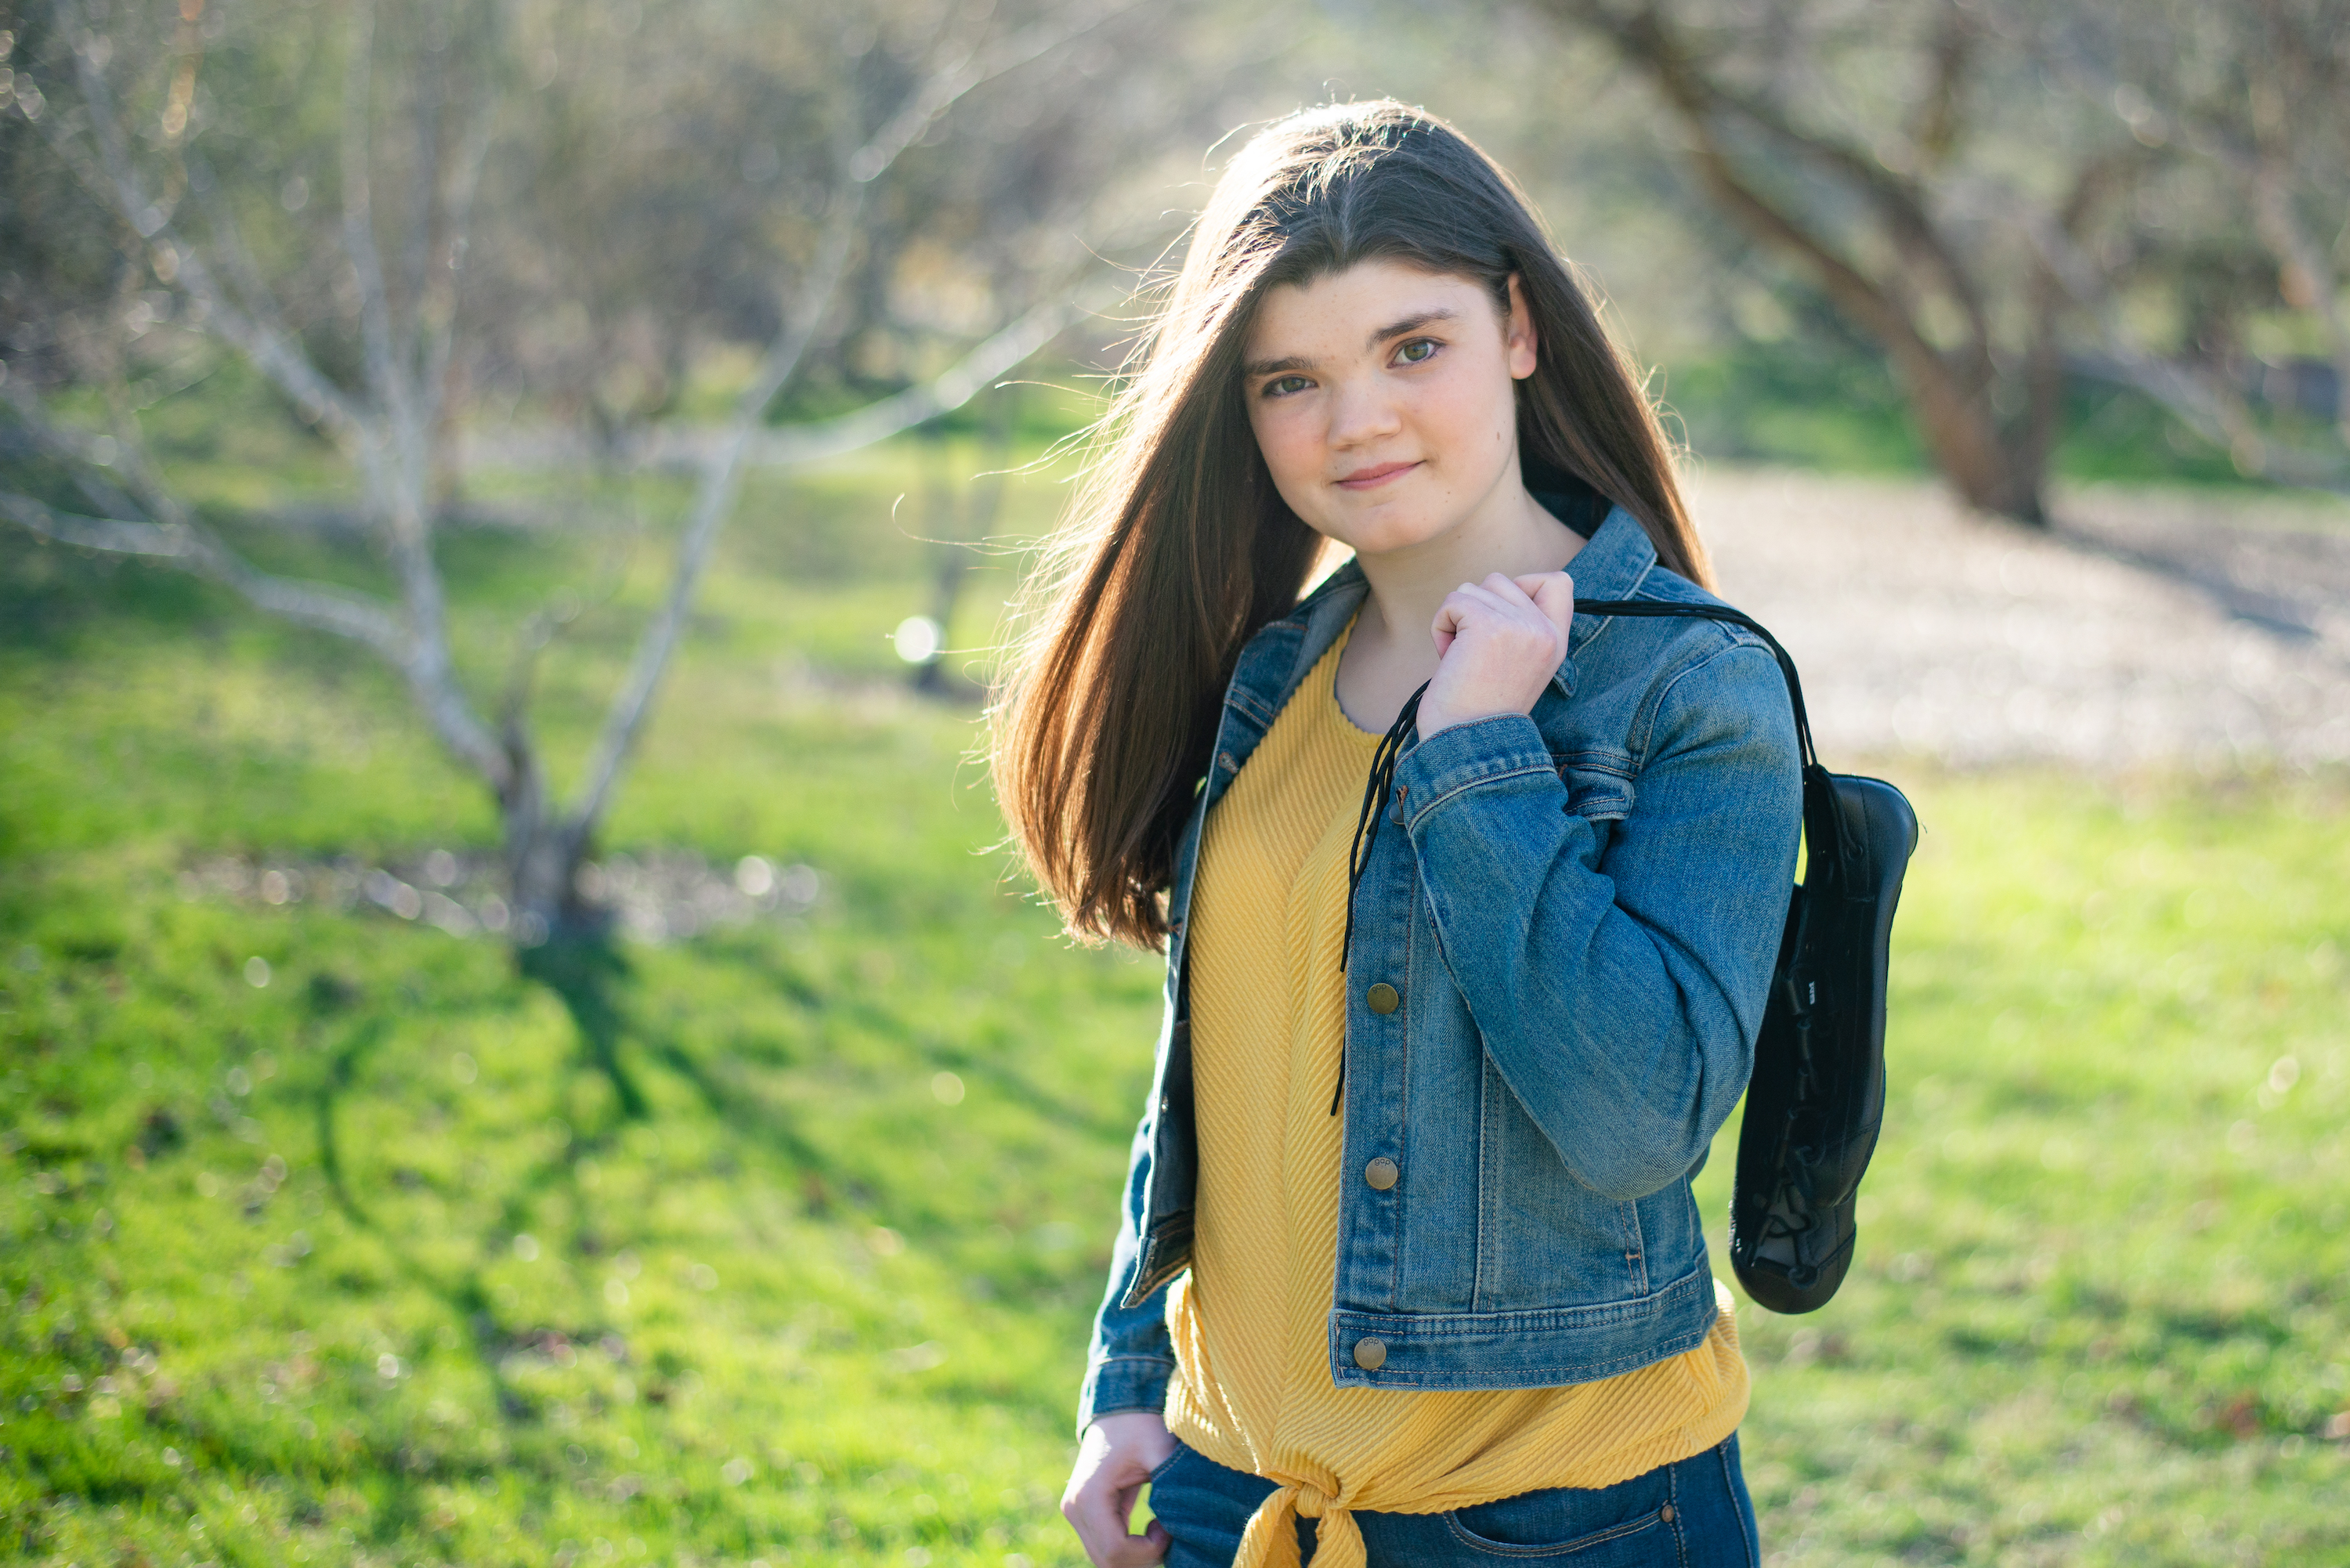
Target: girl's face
{"type": "Point", "coordinates": [1383, 399]}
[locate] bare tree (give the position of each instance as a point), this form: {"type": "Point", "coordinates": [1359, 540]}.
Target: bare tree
{"type": "Point", "coordinates": [391, 423]}
{"type": "Point", "coordinates": [1987, 233]}
{"type": "Point", "coordinates": [2260, 94]}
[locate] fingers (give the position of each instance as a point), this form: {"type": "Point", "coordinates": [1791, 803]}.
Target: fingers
{"type": "Point", "coordinates": [1094, 1511]}
{"type": "Point", "coordinates": [1102, 1530]}
{"type": "Point", "coordinates": [1545, 598]}
{"type": "Point", "coordinates": [1554, 595]}
{"type": "Point", "coordinates": [1451, 616]}
{"type": "Point", "coordinates": [1140, 1550]}
{"type": "Point", "coordinates": [1099, 1504]}
{"type": "Point", "coordinates": [1466, 599]}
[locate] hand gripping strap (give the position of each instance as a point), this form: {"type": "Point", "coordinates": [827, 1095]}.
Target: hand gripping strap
{"type": "Point", "coordinates": [1822, 824]}
{"type": "Point", "coordinates": [1391, 748]}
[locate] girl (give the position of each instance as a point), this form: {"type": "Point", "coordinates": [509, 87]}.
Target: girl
{"type": "Point", "coordinates": [1409, 1271]}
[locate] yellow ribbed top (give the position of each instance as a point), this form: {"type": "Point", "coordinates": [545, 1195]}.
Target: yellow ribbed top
{"type": "Point", "coordinates": [1252, 1388]}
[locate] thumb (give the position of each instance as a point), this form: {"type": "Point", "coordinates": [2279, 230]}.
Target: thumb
{"type": "Point", "coordinates": [1554, 595]}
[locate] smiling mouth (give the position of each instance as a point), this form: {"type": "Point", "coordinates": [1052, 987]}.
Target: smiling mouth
{"type": "Point", "coordinates": [1371, 478]}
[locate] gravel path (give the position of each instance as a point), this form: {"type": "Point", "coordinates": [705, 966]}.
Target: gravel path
{"type": "Point", "coordinates": [2163, 627]}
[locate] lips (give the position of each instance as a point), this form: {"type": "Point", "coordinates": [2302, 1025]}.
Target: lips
{"type": "Point", "coordinates": [1378, 473]}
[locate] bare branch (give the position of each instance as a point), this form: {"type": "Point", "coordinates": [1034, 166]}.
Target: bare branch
{"type": "Point", "coordinates": [722, 467]}
{"type": "Point", "coordinates": [2206, 403]}
{"type": "Point", "coordinates": [116, 184]}
{"type": "Point", "coordinates": [179, 538]}
{"type": "Point", "coordinates": [879, 421]}
{"type": "Point", "coordinates": [414, 225]}
{"type": "Point", "coordinates": [359, 211]}
{"type": "Point", "coordinates": [321, 606]}
{"type": "Point", "coordinates": [1645, 39]}
{"type": "Point", "coordinates": [395, 455]}
{"type": "Point", "coordinates": [944, 88]}
{"type": "Point", "coordinates": [713, 501]}
{"type": "Point", "coordinates": [109, 535]}
{"type": "Point", "coordinates": [830, 438]}
{"type": "Point", "coordinates": [2259, 156]}
{"type": "Point", "coordinates": [174, 535]}
{"type": "Point", "coordinates": [1896, 199]}
{"type": "Point", "coordinates": [1934, 125]}
{"type": "Point", "coordinates": [440, 306]}
{"type": "Point", "coordinates": [252, 293]}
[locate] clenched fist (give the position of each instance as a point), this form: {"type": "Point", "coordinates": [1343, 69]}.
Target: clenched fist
{"type": "Point", "coordinates": [1498, 643]}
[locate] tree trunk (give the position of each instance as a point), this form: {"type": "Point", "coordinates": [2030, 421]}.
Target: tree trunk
{"type": "Point", "coordinates": [543, 855]}
{"type": "Point", "coordinates": [1993, 469]}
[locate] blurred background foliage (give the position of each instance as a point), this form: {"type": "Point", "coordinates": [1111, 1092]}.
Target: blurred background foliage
{"type": "Point", "coordinates": [2154, 192]}
{"type": "Point", "coordinates": [749, 1208]}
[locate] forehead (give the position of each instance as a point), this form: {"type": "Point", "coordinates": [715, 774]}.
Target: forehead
{"type": "Point", "coordinates": [1341, 311]}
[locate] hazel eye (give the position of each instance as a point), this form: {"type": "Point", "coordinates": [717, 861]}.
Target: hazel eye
{"type": "Point", "coordinates": [1282, 386]}
{"type": "Point", "coordinates": [1419, 351]}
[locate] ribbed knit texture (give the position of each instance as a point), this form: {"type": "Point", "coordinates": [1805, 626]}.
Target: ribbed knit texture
{"type": "Point", "coordinates": [1252, 1389]}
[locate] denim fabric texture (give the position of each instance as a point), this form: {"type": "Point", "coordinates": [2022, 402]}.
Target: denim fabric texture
{"type": "Point", "coordinates": [1694, 1513]}
{"type": "Point", "coordinates": [1579, 908]}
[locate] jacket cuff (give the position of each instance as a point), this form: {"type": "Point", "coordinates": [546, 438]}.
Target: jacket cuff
{"type": "Point", "coordinates": [1117, 1383]}
{"type": "Point", "coordinates": [1480, 752]}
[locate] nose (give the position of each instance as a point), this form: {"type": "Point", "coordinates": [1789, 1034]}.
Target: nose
{"type": "Point", "coordinates": [1362, 411]}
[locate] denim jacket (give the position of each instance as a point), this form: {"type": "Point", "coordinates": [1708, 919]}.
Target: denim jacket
{"type": "Point", "coordinates": [1579, 908]}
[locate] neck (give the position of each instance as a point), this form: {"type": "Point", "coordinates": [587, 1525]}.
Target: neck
{"type": "Point", "coordinates": [1513, 534]}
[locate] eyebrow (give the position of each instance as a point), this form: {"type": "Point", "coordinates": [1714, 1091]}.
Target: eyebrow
{"type": "Point", "coordinates": [1387, 334]}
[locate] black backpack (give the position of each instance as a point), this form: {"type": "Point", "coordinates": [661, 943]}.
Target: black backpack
{"type": "Point", "coordinates": [1816, 1100]}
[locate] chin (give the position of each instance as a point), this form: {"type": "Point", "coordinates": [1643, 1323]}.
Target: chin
{"type": "Point", "coordinates": [1386, 536]}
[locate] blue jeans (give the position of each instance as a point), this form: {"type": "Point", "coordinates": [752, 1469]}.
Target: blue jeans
{"type": "Point", "coordinates": [1691, 1514]}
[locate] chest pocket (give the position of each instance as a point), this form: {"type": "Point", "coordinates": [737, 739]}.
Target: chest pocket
{"type": "Point", "coordinates": [1598, 784]}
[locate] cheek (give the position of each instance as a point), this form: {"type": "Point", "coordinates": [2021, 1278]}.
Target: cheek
{"type": "Point", "coordinates": [1289, 439]}
{"type": "Point", "coordinates": [1471, 413]}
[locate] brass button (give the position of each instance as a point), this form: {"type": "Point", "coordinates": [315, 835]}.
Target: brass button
{"type": "Point", "coordinates": [1381, 1173]}
{"type": "Point", "coordinates": [1370, 1354]}
{"type": "Point", "coordinates": [1665, 1513]}
{"type": "Point", "coordinates": [1383, 998]}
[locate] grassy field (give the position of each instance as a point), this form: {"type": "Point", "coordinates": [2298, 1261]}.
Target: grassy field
{"type": "Point", "coordinates": [324, 1239]}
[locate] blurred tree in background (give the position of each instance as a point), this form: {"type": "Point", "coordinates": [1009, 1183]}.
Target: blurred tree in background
{"type": "Point", "coordinates": [601, 238]}
{"type": "Point", "coordinates": [2001, 196]}
{"type": "Point", "coordinates": [401, 217]}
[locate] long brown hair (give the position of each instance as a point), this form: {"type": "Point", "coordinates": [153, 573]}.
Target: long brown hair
{"type": "Point", "coordinates": [1177, 547]}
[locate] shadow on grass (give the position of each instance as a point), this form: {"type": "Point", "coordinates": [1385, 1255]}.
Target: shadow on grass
{"type": "Point", "coordinates": [590, 980]}
{"type": "Point", "coordinates": [588, 975]}
{"type": "Point", "coordinates": [585, 974]}
{"type": "Point", "coordinates": [595, 983]}
{"type": "Point", "coordinates": [997, 1069]}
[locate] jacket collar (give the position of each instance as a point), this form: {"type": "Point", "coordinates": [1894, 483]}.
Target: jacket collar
{"type": "Point", "coordinates": [1615, 560]}
{"type": "Point", "coordinates": [1612, 565]}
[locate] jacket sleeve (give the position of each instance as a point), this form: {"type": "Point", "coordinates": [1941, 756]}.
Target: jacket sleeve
{"type": "Point", "coordinates": [1618, 994]}
{"type": "Point", "coordinates": [1132, 1356]}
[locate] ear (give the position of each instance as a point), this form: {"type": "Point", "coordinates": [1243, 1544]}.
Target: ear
{"type": "Point", "coordinates": [1518, 332]}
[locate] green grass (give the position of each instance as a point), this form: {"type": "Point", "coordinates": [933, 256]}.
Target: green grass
{"type": "Point", "coordinates": [267, 1295]}
{"type": "Point", "coordinates": [2100, 1314]}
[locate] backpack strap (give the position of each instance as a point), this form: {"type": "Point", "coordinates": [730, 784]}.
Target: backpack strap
{"type": "Point", "coordinates": [1820, 820]}
{"type": "Point", "coordinates": [1659, 607]}
{"type": "Point", "coordinates": [1824, 827]}
{"type": "Point", "coordinates": [1827, 831]}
